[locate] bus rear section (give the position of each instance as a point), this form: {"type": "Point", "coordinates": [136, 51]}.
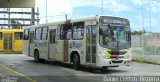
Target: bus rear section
{"type": "Point", "coordinates": [11, 40]}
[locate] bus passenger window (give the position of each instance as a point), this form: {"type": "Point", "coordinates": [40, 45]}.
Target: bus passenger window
{"type": "Point", "coordinates": [78, 31]}
{"type": "Point", "coordinates": [66, 32]}
{"type": "Point", "coordinates": [69, 34]}
{"type": "Point", "coordinates": [52, 36]}
{"type": "Point", "coordinates": [93, 34]}
{"type": "Point", "coordinates": [61, 32]}
{"type": "Point", "coordinates": [31, 37]}
{"type": "Point", "coordinates": [26, 35]}
{"type": "Point", "coordinates": [44, 33]}
{"type": "Point", "coordinates": [38, 33]}
{"type": "Point", "coordinates": [0, 35]}
{"type": "Point", "coordinates": [18, 35]}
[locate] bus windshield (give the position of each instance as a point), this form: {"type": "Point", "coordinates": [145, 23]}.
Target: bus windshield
{"type": "Point", "coordinates": [114, 37]}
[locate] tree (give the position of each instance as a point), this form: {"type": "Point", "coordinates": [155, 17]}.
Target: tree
{"type": "Point", "coordinates": [137, 33]}
{"type": "Point", "coordinates": [15, 24]}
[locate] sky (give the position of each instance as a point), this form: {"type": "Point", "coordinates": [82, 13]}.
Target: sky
{"type": "Point", "coordinates": [130, 9]}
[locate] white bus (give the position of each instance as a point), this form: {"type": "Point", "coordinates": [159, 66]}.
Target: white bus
{"type": "Point", "coordinates": [96, 41]}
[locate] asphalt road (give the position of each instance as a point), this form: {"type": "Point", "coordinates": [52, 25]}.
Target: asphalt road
{"type": "Point", "coordinates": [26, 68]}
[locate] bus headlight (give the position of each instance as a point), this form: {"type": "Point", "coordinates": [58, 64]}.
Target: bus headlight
{"type": "Point", "coordinates": [104, 55]}
{"type": "Point", "coordinates": [128, 55]}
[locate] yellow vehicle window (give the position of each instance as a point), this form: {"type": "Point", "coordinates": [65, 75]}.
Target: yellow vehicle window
{"type": "Point", "coordinates": [18, 35]}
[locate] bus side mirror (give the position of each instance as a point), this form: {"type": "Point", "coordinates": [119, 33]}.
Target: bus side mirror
{"type": "Point", "coordinates": [100, 32]}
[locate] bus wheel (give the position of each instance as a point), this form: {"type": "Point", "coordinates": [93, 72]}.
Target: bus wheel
{"type": "Point", "coordinates": [76, 62]}
{"type": "Point", "coordinates": [104, 69]}
{"type": "Point", "coordinates": [36, 56]}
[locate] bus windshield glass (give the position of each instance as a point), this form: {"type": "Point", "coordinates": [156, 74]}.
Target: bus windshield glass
{"type": "Point", "coordinates": [114, 37]}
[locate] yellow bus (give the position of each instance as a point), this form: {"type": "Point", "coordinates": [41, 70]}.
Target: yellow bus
{"type": "Point", "coordinates": [11, 40]}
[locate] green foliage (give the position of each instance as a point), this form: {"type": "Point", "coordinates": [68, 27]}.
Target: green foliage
{"type": "Point", "coordinates": [15, 24]}
{"type": "Point", "coordinates": [145, 60]}
{"type": "Point", "coordinates": [136, 32]}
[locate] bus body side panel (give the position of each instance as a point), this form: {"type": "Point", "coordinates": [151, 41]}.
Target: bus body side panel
{"type": "Point", "coordinates": [26, 42]}
{"type": "Point", "coordinates": [17, 41]}
{"type": "Point", "coordinates": [60, 50]}
{"type": "Point", "coordinates": [43, 49]}
{"type": "Point", "coordinates": [17, 45]}
{"type": "Point", "coordinates": [1, 45]}
{"type": "Point", "coordinates": [31, 43]}
{"type": "Point", "coordinates": [52, 46]}
{"type": "Point", "coordinates": [79, 47]}
{"type": "Point", "coordinates": [26, 47]}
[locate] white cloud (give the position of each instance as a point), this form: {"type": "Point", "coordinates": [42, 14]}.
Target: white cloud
{"type": "Point", "coordinates": [56, 9]}
{"type": "Point", "coordinates": [154, 23]}
{"type": "Point", "coordinates": [155, 5]}
{"type": "Point", "coordinates": [137, 2]}
{"type": "Point", "coordinates": [113, 5]}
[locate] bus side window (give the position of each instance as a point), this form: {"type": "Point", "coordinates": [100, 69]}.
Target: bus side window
{"type": "Point", "coordinates": [78, 31]}
{"type": "Point", "coordinates": [66, 32]}
{"type": "Point", "coordinates": [61, 33]}
{"type": "Point", "coordinates": [31, 37]}
{"type": "Point", "coordinates": [44, 33]}
{"type": "Point", "coordinates": [26, 35]}
{"type": "Point", "coordinates": [52, 36]}
{"type": "Point", "coordinates": [38, 34]}
{"type": "Point", "coordinates": [18, 35]}
{"type": "Point", "coordinates": [0, 35]}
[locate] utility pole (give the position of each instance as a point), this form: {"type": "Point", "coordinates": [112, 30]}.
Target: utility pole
{"type": "Point", "coordinates": [102, 6]}
{"type": "Point", "coordinates": [9, 14]}
{"type": "Point", "coordinates": [38, 15]}
{"type": "Point", "coordinates": [150, 15]}
{"type": "Point", "coordinates": [143, 28]}
{"type": "Point", "coordinates": [46, 12]}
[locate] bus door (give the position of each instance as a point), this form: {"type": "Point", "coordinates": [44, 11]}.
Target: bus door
{"type": "Point", "coordinates": [31, 43]}
{"type": "Point", "coordinates": [26, 42]}
{"type": "Point", "coordinates": [52, 36]}
{"type": "Point", "coordinates": [63, 34]}
{"type": "Point", "coordinates": [91, 44]}
{"type": "Point", "coordinates": [43, 44]}
{"type": "Point", "coordinates": [17, 41]}
{"type": "Point", "coordinates": [7, 42]}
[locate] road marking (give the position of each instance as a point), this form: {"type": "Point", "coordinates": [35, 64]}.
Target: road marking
{"type": "Point", "coordinates": [18, 73]}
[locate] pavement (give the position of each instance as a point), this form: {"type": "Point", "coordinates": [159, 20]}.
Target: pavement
{"type": "Point", "coordinates": [27, 70]}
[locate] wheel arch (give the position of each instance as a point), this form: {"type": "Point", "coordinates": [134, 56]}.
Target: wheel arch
{"type": "Point", "coordinates": [35, 51]}
{"type": "Point", "coordinates": [72, 55]}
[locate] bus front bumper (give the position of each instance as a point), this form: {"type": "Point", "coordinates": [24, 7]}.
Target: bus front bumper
{"type": "Point", "coordinates": [113, 62]}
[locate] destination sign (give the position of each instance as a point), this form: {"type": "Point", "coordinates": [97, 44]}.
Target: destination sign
{"type": "Point", "coordinates": [113, 20]}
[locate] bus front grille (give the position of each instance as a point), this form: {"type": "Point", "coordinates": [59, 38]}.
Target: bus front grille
{"type": "Point", "coordinates": [117, 56]}
{"type": "Point", "coordinates": [119, 61]}
{"type": "Point", "coordinates": [117, 53]}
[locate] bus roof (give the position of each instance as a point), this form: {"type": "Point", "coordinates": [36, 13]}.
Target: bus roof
{"type": "Point", "coordinates": [85, 18]}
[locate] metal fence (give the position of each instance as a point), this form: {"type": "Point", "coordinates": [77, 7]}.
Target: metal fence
{"type": "Point", "coordinates": [148, 43]}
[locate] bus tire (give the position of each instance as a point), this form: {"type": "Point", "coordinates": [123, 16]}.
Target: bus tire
{"type": "Point", "coordinates": [104, 69]}
{"type": "Point", "coordinates": [36, 56]}
{"type": "Point", "coordinates": [76, 62]}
